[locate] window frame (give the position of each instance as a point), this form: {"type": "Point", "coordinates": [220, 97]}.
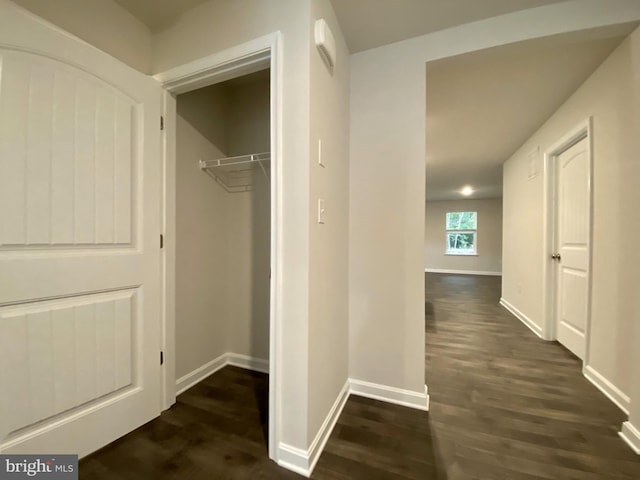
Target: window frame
{"type": "Point", "coordinates": [472, 231]}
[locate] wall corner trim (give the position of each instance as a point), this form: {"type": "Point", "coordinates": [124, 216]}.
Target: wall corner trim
{"type": "Point", "coordinates": [385, 393]}
{"type": "Point", "coordinates": [463, 272]}
{"type": "Point", "coordinates": [241, 59]}
{"type": "Point", "coordinates": [304, 461]}
{"type": "Point", "coordinates": [321, 438]}
{"type": "Point", "coordinates": [247, 362]}
{"type": "Point", "coordinates": [522, 317]}
{"type": "Point", "coordinates": [296, 459]}
{"type": "Point", "coordinates": [235, 359]}
{"type": "Point", "coordinates": [612, 392]}
{"type": "Point", "coordinates": [190, 379]}
{"type": "Point", "coordinates": [631, 435]}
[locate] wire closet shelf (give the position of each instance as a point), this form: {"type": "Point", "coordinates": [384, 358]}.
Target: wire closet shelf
{"type": "Point", "coordinates": [237, 174]}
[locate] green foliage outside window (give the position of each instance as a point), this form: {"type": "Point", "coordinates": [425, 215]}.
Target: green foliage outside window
{"type": "Point", "coordinates": [461, 232]}
{"type": "Point", "coordinates": [462, 220]}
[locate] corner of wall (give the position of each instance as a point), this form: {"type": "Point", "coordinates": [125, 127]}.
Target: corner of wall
{"type": "Point", "coordinates": [407, 398]}
{"type": "Point", "coordinates": [528, 322]}
{"type": "Point", "coordinates": [631, 435]}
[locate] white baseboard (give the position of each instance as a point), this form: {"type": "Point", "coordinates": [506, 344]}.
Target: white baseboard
{"type": "Point", "coordinates": [304, 461]}
{"type": "Point", "coordinates": [406, 398]}
{"type": "Point", "coordinates": [631, 435]}
{"type": "Point", "coordinates": [609, 389]}
{"type": "Point", "coordinates": [319, 442]}
{"type": "Point", "coordinates": [248, 363]}
{"type": "Point", "coordinates": [522, 317]}
{"type": "Point", "coordinates": [294, 459]}
{"type": "Point", "coordinates": [463, 272]}
{"type": "Point", "coordinates": [190, 379]}
{"type": "Point", "coordinates": [243, 361]}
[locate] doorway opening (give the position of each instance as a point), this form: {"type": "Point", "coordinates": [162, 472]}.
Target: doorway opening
{"type": "Point", "coordinates": [567, 252]}
{"type": "Point", "coordinates": [221, 202]}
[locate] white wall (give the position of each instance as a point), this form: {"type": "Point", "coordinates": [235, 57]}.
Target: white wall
{"type": "Point", "coordinates": [249, 222]}
{"type": "Point", "coordinates": [102, 23]}
{"type": "Point", "coordinates": [386, 229]}
{"type": "Point", "coordinates": [202, 306]}
{"type": "Point", "coordinates": [488, 236]}
{"type": "Point", "coordinates": [328, 242]}
{"type": "Point", "coordinates": [247, 277]}
{"type": "Point", "coordinates": [387, 179]}
{"type": "Point", "coordinates": [250, 115]}
{"type": "Point", "coordinates": [207, 110]}
{"type": "Point", "coordinates": [612, 97]}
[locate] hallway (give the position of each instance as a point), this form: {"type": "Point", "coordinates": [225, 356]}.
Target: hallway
{"type": "Point", "coordinates": [506, 404]}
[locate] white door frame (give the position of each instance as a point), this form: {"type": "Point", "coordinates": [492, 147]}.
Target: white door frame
{"type": "Point", "coordinates": [258, 54]}
{"type": "Point", "coordinates": [580, 132]}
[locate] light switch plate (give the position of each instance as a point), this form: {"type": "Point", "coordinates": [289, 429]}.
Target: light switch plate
{"type": "Point", "coordinates": [320, 159]}
{"type": "Point", "coordinates": [321, 211]}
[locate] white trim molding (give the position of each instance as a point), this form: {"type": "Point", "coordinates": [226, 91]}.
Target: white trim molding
{"type": "Point", "coordinates": [463, 272]}
{"type": "Point", "coordinates": [190, 379]}
{"type": "Point", "coordinates": [257, 54]}
{"type": "Point", "coordinates": [248, 363]}
{"type": "Point", "coordinates": [234, 359]}
{"type": "Point", "coordinates": [385, 393]}
{"type": "Point", "coordinates": [631, 435]}
{"type": "Point", "coordinates": [304, 461]}
{"type": "Point", "coordinates": [236, 61]}
{"type": "Point", "coordinates": [321, 438]}
{"type": "Point", "coordinates": [612, 392]}
{"type": "Point", "coordinates": [294, 459]}
{"type": "Point", "coordinates": [168, 257]}
{"type": "Point", "coordinates": [522, 317]}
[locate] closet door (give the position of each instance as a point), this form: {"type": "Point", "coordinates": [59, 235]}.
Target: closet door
{"type": "Point", "coordinates": [79, 250]}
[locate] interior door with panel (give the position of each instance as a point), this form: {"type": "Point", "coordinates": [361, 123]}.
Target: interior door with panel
{"type": "Point", "coordinates": [572, 247]}
{"type": "Point", "coordinates": [80, 212]}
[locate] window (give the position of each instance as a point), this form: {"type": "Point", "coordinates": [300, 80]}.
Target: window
{"type": "Point", "coordinates": [461, 233]}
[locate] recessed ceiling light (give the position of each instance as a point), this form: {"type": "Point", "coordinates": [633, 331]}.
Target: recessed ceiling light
{"type": "Point", "coordinates": [466, 191]}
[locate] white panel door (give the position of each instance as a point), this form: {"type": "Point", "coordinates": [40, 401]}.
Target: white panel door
{"type": "Point", "coordinates": [79, 250]}
{"type": "Point", "coordinates": [572, 247]}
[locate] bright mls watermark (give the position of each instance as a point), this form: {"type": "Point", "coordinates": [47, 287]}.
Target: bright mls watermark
{"type": "Point", "coordinates": [51, 467]}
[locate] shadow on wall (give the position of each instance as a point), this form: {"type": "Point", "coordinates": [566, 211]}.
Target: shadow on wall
{"type": "Point", "coordinates": [260, 282]}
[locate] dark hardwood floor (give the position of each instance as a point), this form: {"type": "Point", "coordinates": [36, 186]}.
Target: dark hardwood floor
{"type": "Point", "coordinates": [217, 430]}
{"type": "Point", "coordinates": [504, 405]}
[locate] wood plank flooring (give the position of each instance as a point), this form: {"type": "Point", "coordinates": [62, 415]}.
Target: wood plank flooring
{"type": "Point", "coordinates": [504, 405]}
{"type": "Point", "coordinates": [217, 430]}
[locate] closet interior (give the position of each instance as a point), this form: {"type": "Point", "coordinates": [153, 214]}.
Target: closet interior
{"type": "Point", "coordinates": [223, 220]}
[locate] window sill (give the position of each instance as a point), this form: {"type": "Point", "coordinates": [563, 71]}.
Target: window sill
{"type": "Point", "coordinates": [462, 254]}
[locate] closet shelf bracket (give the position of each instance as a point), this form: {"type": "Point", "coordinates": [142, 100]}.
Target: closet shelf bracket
{"type": "Point", "coordinates": [237, 174]}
